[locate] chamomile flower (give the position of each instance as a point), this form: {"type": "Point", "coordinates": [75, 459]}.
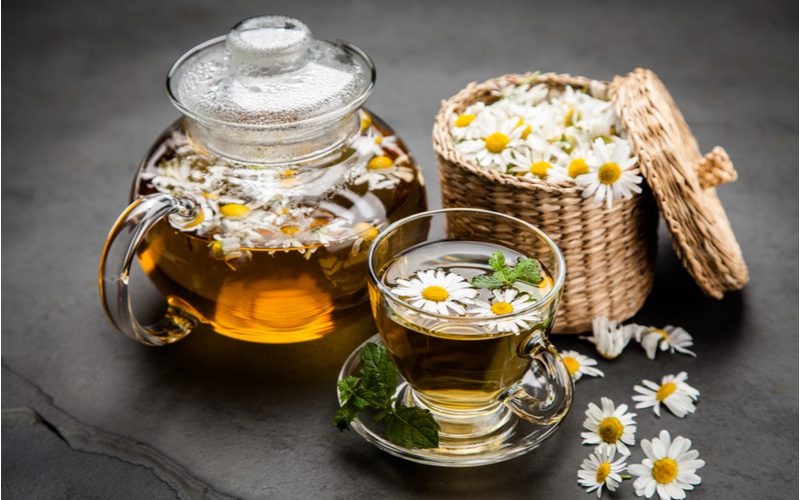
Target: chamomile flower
{"type": "Point", "coordinates": [464, 126]}
{"type": "Point", "coordinates": [373, 143]}
{"type": "Point", "coordinates": [383, 172]}
{"type": "Point", "coordinates": [674, 392]}
{"type": "Point", "coordinates": [610, 177]}
{"type": "Point", "coordinates": [505, 302]}
{"type": "Point", "coordinates": [609, 338]}
{"type": "Point", "coordinates": [600, 469]}
{"type": "Point", "coordinates": [524, 94]}
{"type": "Point", "coordinates": [609, 424]}
{"type": "Point", "coordinates": [672, 338]}
{"type": "Point", "coordinates": [579, 365]}
{"type": "Point", "coordinates": [436, 291]}
{"type": "Point", "coordinates": [499, 136]}
{"type": "Point", "coordinates": [537, 164]}
{"type": "Point", "coordinates": [670, 468]}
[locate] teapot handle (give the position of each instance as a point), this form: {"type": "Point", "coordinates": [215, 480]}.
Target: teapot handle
{"type": "Point", "coordinates": [118, 253]}
{"type": "Point", "coordinates": [558, 385]}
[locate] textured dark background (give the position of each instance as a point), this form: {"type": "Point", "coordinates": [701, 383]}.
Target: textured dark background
{"type": "Point", "coordinates": [83, 98]}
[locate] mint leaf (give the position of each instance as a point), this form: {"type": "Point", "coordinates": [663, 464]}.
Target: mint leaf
{"type": "Point", "coordinates": [347, 388]}
{"type": "Point", "coordinates": [486, 281]}
{"type": "Point", "coordinates": [497, 261]}
{"type": "Point", "coordinates": [527, 271]}
{"type": "Point", "coordinates": [378, 371]}
{"type": "Point", "coordinates": [412, 427]}
{"type": "Point", "coordinates": [344, 416]}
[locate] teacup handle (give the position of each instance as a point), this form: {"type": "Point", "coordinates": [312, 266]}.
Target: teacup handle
{"type": "Point", "coordinates": [118, 253]}
{"type": "Point", "coordinates": [552, 408]}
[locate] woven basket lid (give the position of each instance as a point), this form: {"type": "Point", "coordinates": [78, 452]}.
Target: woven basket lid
{"type": "Point", "coordinates": [682, 181]}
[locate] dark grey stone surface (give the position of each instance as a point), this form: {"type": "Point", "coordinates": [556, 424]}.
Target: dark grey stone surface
{"type": "Point", "coordinates": [83, 97]}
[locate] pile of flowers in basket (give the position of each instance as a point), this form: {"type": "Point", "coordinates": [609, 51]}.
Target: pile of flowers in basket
{"type": "Point", "coordinates": [557, 135]}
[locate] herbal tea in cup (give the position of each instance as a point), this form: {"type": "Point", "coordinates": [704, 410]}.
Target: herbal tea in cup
{"type": "Point", "coordinates": [465, 314]}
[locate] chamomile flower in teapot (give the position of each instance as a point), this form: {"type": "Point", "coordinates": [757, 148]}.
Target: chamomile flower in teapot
{"type": "Point", "coordinates": [253, 213]}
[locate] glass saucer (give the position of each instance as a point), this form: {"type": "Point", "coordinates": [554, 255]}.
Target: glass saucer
{"type": "Point", "coordinates": [516, 438]}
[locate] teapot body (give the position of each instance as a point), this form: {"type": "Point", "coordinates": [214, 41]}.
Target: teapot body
{"type": "Point", "coordinates": [274, 253]}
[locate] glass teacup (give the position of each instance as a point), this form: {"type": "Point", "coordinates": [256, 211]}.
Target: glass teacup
{"type": "Point", "coordinates": [475, 357]}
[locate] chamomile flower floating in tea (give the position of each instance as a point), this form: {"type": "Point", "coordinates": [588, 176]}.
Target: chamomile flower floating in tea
{"type": "Point", "coordinates": [579, 365]}
{"type": "Point", "coordinates": [672, 338]}
{"type": "Point", "coordinates": [266, 206]}
{"type": "Point", "coordinates": [673, 392]}
{"type": "Point", "coordinates": [610, 177]}
{"type": "Point", "coordinates": [670, 468]}
{"type": "Point", "coordinates": [609, 424]}
{"type": "Point", "coordinates": [600, 469]}
{"type": "Point", "coordinates": [551, 134]}
{"type": "Point", "coordinates": [436, 291]}
{"type": "Point", "coordinates": [609, 338]}
{"type": "Point", "coordinates": [505, 302]}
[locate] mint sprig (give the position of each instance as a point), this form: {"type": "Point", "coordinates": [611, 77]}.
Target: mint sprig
{"type": "Point", "coordinates": [526, 270]}
{"type": "Point", "coordinates": [407, 426]}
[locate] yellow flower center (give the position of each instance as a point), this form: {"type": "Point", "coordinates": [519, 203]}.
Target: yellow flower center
{"type": "Point", "coordinates": [571, 364]}
{"type": "Point", "coordinates": [463, 120]}
{"type": "Point", "coordinates": [380, 162]}
{"type": "Point", "coordinates": [435, 293]}
{"type": "Point", "coordinates": [197, 220]}
{"type": "Point", "coordinates": [610, 430]}
{"type": "Point", "coordinates": [378, 140]}
{"type": "Point", "coordinates": [497, 142]}
{"type": "Point", "coordinates": [526, 131]}
{"type": "Point", "coordinates": [289, 172]}
{"type": "Point", "coordinates": [234, 210]}
{"type": "Point", "coordinates": [540, 168]}
{"type": "Point", "coordinates": [290, 230]}
{"type": "Point", "coordinates": [568, 117]}
{"type": "Point", "coordinates": [366, 121]}
{"type": "Point", "coordinates": [609, 173]}
{"type": "Point", "coordinates": [502, 308]}
{"type": "Point", "coordinates": [366, 231]}
{"type": "Point", "coordinates": [665, 470]}
{"type": "Point", "coordinates": [216, 249]}
{"type": "Point", "coordinates": [664, 335]}
{"type": "Point", "coordinates": [665, 390]}
{"type": "Point", "coordinates": [577, 167]}
{"type": "Point", "coordinates": [602, 472]}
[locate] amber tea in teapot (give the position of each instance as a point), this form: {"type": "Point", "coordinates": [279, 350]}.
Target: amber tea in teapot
{"type": "Point", "coordinates": [254, 213]}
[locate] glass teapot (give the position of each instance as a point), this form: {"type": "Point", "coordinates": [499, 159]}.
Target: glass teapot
{"type": "Point", "coordinates": [253, 213]}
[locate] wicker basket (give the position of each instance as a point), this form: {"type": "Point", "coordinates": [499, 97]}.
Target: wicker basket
{"type": "Point", "coordinates": [610, 253]}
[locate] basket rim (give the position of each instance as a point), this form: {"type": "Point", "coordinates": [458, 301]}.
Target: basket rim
{"type": "Point", "coordinates": [444, 145]}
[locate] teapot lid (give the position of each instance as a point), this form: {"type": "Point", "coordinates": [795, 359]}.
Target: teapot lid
{"type": "Point", "coordinates": [269, 71]}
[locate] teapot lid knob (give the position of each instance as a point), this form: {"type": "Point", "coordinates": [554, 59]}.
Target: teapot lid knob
{"type": "Point", "coordinates": [277, 42]}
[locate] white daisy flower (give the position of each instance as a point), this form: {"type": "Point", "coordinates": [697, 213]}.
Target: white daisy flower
{"type": "Point", "coordinates": [506, 302]}
{"type": "Point", "coordinates": [499, 136]}
{"type": "Point", "coordinates": [670, 468]}
{"type": "Point", "coordinates": [609, 338]}
{"type": "Point", "coordinates": [536, 164]}
{"type": "Point", "coordinates": [464, 126]}
{"type": "Point", "coordinates": [383, 172]}
{"type": "Point", "coordinates": [610, 178]}
{"type": "Point", "coordinates": [674, 392]}
{"type": "Point", "coordinates": [672, 338]}
{"type": "Point", "coordinates": [525, 94]}
{"type": "Point", "coordinates": [436, 291]}
{"type": "Point", "coordinates": [600, 469]}
{"type": "Point", "coordinates": [578, 365]}
{"type": "Point", "coordinates": [612, 425]}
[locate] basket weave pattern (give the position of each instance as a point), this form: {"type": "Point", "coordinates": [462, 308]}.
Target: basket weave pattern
{"type": "Point", "coordinates": [610, 254]}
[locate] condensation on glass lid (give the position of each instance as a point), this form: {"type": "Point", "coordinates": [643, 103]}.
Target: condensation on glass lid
{"type": "Point", "coordinates": [269, 70]}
